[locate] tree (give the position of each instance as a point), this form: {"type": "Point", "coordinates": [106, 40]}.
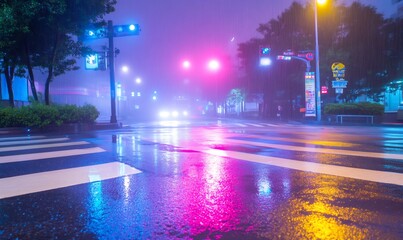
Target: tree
{"type": "Point", "coordinates": [364, 41]}
{"type": "Point", "coordinates": [47, 34]}
{"type": "Point", "coordinates": [358, 36]}
{"type": "Point", "coordinates": [59, 26]}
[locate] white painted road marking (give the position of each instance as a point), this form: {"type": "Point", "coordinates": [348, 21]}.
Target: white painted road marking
{"type": "Point", "coordinates": [356, 173]}
{"type": "Point", "coordinates": [33, 141]}
{"type": "Point", "coordinates": [19, 138]}
{"type": "Point", "coordinates": [341, 171]}
{"type": "Point", "coordinates": [54, 154]}
{"type": "Point", "coordinates": [51, 145]}
{"type": "Point", "coordinates": [320, 150]}
{"type": "Point", "coordinates": [38, 182]}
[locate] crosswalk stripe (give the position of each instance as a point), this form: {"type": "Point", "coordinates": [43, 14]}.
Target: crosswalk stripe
{"type": "Point", "coordinates": [255, 125]}
{"type": "Point", "coordinates": [45, 155]}
{"type": "Point", "coordinates": [10, 143]}
{"type": "Point", "coordinates": [38, 182]}
{"type": "Point", "coordinates": [341, 171]}
{"type": "Point", "coordinates": [321, 150]}
{"type": "Point", "coordinates": [19, 138]}
{"type": "Point", "coordinates": [355, 173]}
{"type": "Point", "coordinates": [307, 141]}
{"type": "Point", "coordinates": [39, 146]}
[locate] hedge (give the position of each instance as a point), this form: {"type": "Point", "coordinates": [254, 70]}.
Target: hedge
{"type": "Point", "coordinates": [363, 108]}
{"type": "Point", "coordinates": [41, 116]}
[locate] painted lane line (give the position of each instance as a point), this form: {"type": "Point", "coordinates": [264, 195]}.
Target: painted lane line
{"type": "Point", "coordinates": [33, 141]}
{"type": "Point", "coordinates": [45, 155]}
{"type": "Point", "coordinates": [355, 173]}
{"type": "Point", "coordinates": [51, 145]}
{"type": "Point", "coordinates": [307, 141]}
{"type": "Point", "coordinates": [321, 150]}
{"type": "Point", "coordinates": [44, 181]}
{"type": "Point", "coordinates": [255, 125]}
{"type": "Point", "coordinates": [19, 138]}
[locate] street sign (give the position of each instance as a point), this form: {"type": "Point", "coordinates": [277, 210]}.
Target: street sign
{"type": "Point", "coordinates": [310, 94]}
{"type": "Point", "coordinates": [339, 84]}
{"type": "Point", "coordinates": [288, 53]}
{"type": "Point", "coordinates": [95, 61]}
{"type": "Point", "coordinates": [308, 56]}
{"type": "Point", "coordinates": [339, 90]}
{"type": "Point", "coordinates": [284, 58]}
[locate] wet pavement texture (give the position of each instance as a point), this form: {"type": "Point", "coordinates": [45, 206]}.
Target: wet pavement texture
{"type": "Point", "coordinates": [183, 192]}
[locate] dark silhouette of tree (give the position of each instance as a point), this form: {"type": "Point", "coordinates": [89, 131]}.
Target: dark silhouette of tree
{"type": "Point", "coordinates": [46, 34]}
{"type": "Point", "coordinates": [369, 45]}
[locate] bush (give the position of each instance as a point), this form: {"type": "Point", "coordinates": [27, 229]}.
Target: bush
{"type": "Point", "coordinates": [69, 113]}
{"type": "Point", "coordinates": [364, 108]}
{"type": "Point", "coordinates": [41, 116]}
{"type": "Point", "coordinates": [88, 114]}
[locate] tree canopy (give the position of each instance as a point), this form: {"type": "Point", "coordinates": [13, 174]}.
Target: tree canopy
{"type": "Point", "coordinates": [44, 34]}
{"type": "Point", "coordinates": [356, 35]}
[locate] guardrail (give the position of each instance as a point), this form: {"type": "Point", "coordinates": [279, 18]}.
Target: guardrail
{"type": "Point", "coordinates": [367, 117]}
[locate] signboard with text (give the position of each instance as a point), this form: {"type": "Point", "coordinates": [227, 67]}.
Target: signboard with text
{"type": "Point", "coordinates": [339, 72]}
{"type": "Point", "coordinates": [310, 103]}
{"type": "Point", "coordinates": [95, 61]}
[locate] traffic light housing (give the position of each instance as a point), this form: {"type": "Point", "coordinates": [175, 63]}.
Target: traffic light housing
{"type": "Point", "coordinates": [118, 31]}
{"type": "Point", "coordinates": [126, 30]}
{"type": "Point", "coordinates": [96, 33]}
{"type": "Point", "coordinates": [265, 51]}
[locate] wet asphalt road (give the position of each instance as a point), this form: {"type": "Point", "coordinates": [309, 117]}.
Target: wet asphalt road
{"type": "Point", "coordinates": [210, 180]}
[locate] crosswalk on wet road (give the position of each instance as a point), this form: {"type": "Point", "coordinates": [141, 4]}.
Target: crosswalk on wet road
{"type": "Point", "coordinates": [369, 166]}
{"type": "Point", "coordinates": [17, 149]}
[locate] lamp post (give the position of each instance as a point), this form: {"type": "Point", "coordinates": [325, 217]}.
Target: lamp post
{"type": "Point", "coordinates": [317, 82]}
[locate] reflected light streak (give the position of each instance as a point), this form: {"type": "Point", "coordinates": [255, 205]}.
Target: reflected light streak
{"type": "Point", "coordinates": [126, 189]}
{"type": "Point", "coordinates": [217, 152]}
{"type": "Point", "coordinates": [264, 187]}
{"type": "Point", "coordinates": [119, 147]}
{"type": "Point", "coordinates": [96, 210]}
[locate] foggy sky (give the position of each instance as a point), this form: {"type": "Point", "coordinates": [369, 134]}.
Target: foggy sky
{"type": "Point", "coordinates": [174, 30]}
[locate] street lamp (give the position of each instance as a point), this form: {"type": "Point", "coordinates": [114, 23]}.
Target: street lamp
{"type": "Point", "coordinates": [186, 64]}
{"type": "Point", "coordinates": [125, 69]}
{"type": "Point", "coordinates": [317, 82]}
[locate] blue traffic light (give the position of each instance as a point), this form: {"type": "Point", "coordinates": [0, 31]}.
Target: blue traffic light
{"type": "Point", "coordinates": [265, 50]}
{"type": "Point", "coordinates": [126, 30]}
{"type": "Point", "coordinates": [95, 33]}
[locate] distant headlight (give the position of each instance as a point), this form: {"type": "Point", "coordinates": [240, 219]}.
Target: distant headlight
{"type": "Point", "coordinates": [174, 114]}
{"type": "Point", "coordinates": [164, 114]}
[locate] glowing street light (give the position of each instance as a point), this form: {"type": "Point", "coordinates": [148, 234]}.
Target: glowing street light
{"type": "Point", "coordinates": [125, 69]}
{"type": "Point", "coordinates": [138, 80]}
{"type": "Point", "coordinates": [186, 64]}
{"type": "Point", "coordinates": [213, 65]}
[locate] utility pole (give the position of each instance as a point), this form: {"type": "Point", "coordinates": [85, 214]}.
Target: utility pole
{"type": "Point", "coordinates": [111, 54]}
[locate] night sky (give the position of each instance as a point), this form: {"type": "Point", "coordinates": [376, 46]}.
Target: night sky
{"type": "Point", "coordinates": [174, 30]}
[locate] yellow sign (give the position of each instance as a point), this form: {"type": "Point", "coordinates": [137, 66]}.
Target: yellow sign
{"type": "Point", "coordinates": [339, 70]}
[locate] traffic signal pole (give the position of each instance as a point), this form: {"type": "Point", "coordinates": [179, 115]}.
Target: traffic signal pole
{"type": "Point", "coordinates": [110, 32]}
{"type": "Point", "coordinates": [111, 55]}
